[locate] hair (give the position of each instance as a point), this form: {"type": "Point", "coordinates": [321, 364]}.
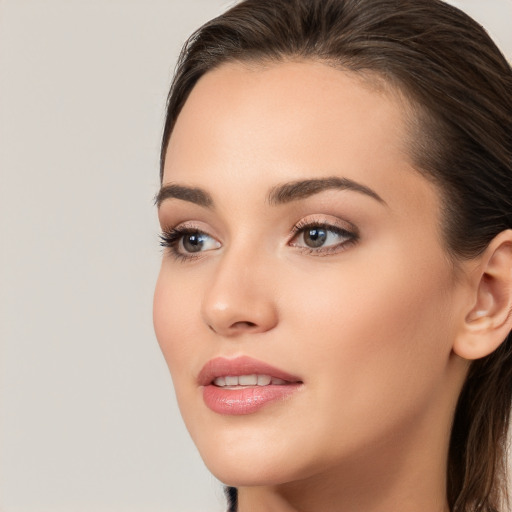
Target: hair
{"type": "Point", "coordinates": [459, 86]}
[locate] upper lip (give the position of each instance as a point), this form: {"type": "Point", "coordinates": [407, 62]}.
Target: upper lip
{"type": "Point", "coordinates": [242, 365]}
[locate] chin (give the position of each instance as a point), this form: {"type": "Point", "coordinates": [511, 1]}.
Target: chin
{"type": "Point", "coordinates": [247, 473]}
{"type": "Point", "coordinates": [240, 465]}
{"type": "Point", "coordinates": [254, 461]}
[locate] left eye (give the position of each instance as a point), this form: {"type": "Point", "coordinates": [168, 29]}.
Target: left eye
{"type": "Point", "coordinates": [320, 236]}
{"type": "Point", "coordinates": [196, 242]}
{"type": "Point", "coordinates": [188, 241]}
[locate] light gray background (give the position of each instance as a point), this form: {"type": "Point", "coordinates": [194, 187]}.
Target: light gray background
{"type": "Point", "coordinates": [88, 420]}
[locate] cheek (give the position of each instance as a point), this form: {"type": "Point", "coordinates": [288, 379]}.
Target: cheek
{"type": "Point", "coordinates": [174, 319]}
{"type": "Point", "coordinates": [377, 332]}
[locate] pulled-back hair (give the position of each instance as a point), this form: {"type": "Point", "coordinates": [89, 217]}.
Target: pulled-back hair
{"type": "Point", "coordinates": [459, 86]}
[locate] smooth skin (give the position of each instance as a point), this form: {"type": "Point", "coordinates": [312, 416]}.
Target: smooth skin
{"type": "Point", "coordinates": [377, 321]}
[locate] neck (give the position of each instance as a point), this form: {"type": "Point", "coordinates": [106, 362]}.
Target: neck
{"type": "Point", "coordinates": [414, 493]}
{"type": "Point", "coordinates": [393, 486]}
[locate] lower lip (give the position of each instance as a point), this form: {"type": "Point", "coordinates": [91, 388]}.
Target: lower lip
{"type": "Point", "coordinates": [245, 400]}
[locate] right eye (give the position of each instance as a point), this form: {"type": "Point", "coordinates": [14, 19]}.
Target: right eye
{"type": "Point", "coordinates": [187, 242]}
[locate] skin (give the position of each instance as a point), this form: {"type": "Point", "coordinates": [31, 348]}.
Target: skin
{"type": "Point", "coordinates": [368, 324]}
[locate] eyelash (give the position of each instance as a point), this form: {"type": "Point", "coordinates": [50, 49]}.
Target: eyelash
{"type": "Point", "coordinates": [351, 237]}
{"type": "Point", "coordinates": [171, 238]}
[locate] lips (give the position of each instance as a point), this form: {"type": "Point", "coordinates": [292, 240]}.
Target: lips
{"type": "Point", "coordinates": [244, 385]}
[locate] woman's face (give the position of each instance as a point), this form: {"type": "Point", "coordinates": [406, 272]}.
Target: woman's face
{"type": "Point", "coordinates": [305, 257]}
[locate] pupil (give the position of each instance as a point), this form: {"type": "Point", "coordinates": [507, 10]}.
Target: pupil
{"type": "Point", "coordinates": [193, 242]}
{"type": "Point", "coordinates": [315, 237]}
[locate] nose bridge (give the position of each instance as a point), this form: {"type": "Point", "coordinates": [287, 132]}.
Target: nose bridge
{"type": "Point", "coordinates": [239, 297]}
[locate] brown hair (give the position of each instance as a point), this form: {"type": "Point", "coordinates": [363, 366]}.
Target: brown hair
{"type": "Point", "coordinates": [460, 87]}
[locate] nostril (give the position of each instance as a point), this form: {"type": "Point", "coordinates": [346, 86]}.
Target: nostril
{"type": "Point", "coordinates": [244, 324]}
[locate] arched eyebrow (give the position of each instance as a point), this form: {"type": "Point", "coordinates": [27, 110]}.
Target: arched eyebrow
{"type": "Point", "coordinates": [194, 195]}
{"type": "Point", "coordinates": [280, 194]}
{"type": "Point", "coordinates": [301, 189]}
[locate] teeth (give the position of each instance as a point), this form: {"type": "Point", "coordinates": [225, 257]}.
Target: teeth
{"type": "Point", "coordinates": [264, 380]}
{"type": "Point", "coordinates": [247, 380]}
{"type": "Point", "coordinates": [220, 381]}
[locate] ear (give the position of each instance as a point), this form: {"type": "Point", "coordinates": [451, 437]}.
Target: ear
{"type": "Point", "coordinates": [489, 319]}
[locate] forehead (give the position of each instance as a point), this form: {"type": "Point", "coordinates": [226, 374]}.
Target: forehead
{"type": "Point", "coordinates": [286, 107]}
{"type": "Point", "coordinates": [252, 126]}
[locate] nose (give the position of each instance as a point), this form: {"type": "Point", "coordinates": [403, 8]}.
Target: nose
{"type": "Point", "coordinates": [240, 298]}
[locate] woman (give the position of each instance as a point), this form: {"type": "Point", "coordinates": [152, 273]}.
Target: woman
{"type": "Point", "coordinates": [335, 298]}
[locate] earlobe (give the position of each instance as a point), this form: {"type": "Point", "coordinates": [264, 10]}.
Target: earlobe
{"type": "Point", "coordinates": [489, 320]}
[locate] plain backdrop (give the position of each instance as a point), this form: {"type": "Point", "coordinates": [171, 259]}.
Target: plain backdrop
{"type": "Point", "coordinates": [88, 419]}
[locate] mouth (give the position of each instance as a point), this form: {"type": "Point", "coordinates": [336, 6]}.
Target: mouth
{"type": "Point", "coordinates": [241, 381]}
{"type": "Point", "coordinates": [243, 371]}
{"type": "Point", "coordinates": [244, 385]}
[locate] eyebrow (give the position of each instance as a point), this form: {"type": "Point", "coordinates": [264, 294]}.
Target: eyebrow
{"type": "Point", "coordinates": [278, 195]}
{"type": "Point", "coordinates": [191, 194]}
{"type": "Point", "coordinates": [302, 189]}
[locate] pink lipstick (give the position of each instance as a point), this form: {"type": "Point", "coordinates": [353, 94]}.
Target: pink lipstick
{"type": "Point", "coordinates": [244, 385]}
